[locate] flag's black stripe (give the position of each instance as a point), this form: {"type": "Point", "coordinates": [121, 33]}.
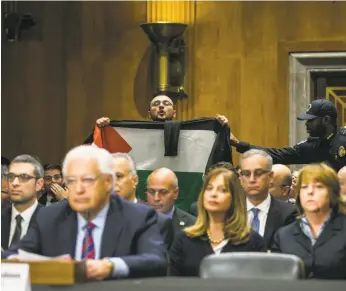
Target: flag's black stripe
{"type": "Point", "coordinates": [194, 124]}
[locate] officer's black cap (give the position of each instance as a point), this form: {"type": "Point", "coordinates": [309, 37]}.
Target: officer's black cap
{"type": "Point", "coordinates": [319, 108]}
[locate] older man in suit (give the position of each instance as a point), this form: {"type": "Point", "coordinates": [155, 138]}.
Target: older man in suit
{"type": "Point", "coordinates": [266, 214]}
{"type": "Point", "coordinates": [162, 191]}
{"type": "Point", "coordinates": [25, 179]}
{"type": "Point", "coordinates": [116, 238]}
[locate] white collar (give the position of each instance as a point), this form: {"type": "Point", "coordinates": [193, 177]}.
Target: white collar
{"type": "Point", "coordinates": [135, 200]}
{"type": "Point", "coordinates": [26, 214]}
{"type": "Point", "coordinates": [263, 206]}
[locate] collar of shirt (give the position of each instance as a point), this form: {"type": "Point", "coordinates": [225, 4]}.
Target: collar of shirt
{"type": "Point", "coordinates": [99, 221]}
{"type": "Point", "coordinates": [305, 227]}
{"type": "Point", "coordinates": [171, 212]}
{"type": "Point", "coordinates": [263, 206]}
{"type": "Point", "coordinates": [26, 214]}
{"type": "Point", "coordinates": [135, 200]}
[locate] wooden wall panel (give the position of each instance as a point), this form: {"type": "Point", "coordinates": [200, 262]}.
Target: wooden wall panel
{"type": "Point", "coordinates": [104, 51]}
{"type": "Point", "coordinates": [33, 87]}
{"type": "Point", "coordinates": [250, 42]}
{"type": "Point", "coordinates": [90, 59]}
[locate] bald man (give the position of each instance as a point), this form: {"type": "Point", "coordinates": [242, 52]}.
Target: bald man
{"type": "Point", "coordinates": [161, 108]}
{"type": "Point", "coordinates": [162, 192]}
{"type": "Point", "coordinates": [342, 179]}
{"type": "Point", "coordinates": [281, 184]}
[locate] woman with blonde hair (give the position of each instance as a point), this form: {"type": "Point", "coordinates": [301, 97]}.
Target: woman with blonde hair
{"type": "Point", "coordinates": [318, 237]}
{"type": "Point", "coordinates": [221, 225]}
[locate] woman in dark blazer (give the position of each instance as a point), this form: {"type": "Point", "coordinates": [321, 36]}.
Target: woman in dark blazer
{"type": "Point", "coordinates": [318, 237]}
{"type": "Point", "coordinates": [221, 225]}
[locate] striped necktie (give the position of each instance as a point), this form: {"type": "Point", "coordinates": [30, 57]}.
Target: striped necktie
{"type": "Point", "coordinates": [88, 249]}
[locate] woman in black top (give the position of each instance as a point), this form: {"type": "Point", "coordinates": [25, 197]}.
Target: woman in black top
{"type": "Point", "coordinates": [318, 237]}
{"type": "Point", "coordinates": [221, 225]}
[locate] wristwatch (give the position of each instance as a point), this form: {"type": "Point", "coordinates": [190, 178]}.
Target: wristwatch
{"type": "Point", "coordinates": [109, 264]}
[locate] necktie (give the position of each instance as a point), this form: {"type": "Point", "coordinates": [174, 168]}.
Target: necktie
{"type": "Point", "coordinates": [88, 249]}
{"type": "Point", "coordinates": [18, 231]}
{"type": "Point", "coordinates": [255, 221]}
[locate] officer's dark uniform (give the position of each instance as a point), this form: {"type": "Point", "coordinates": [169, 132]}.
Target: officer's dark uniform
{"type": "Point", "coordinates": [331, 150]}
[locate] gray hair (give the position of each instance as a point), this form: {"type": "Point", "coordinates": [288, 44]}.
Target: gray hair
{"type": "Point", "coordinates": [256, 152]}
{"type": "Point", "coordinates": [128, 158]}
{"type": "Point", "coordinates": [38, 169]}
{"type": "Point", "coordinates": [88, 152]}
{"type": "Point", "coordinates": [4, 171]}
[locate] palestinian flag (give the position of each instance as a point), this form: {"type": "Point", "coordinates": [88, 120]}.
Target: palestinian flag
{"type": "Point", "coordinates": [188, 148]}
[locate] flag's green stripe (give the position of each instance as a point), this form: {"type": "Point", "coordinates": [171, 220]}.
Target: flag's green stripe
{"type": "Point", "coordinates": [189, 185]}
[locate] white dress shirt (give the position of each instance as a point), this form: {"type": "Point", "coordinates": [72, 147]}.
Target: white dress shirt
{"type": "Point", "coordinates": [120, 267]}
{"type": "Point", "coordinates": [262, 214]}
{"type": "Point", "coordinates": [218, 249]}
{"type": "Point", "coordinates": [26, 217]}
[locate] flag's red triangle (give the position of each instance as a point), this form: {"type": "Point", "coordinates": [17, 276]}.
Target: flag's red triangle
{"type": "Point", "coordinates": [109, 139]}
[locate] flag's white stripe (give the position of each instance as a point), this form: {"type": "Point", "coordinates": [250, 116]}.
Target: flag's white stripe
{"type": "Point", "coordinates": [148, 149]}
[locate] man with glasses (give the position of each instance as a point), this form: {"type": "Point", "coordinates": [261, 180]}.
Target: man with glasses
{"type": "Point", "coordinates": [161, 108]}
{"type": "Point", "coordinates": [326, 143]}
{"type": "Point", "coordinates": [54, 188]}
{"type": "Point", "coordinates": [162, 192]}
{"type": "Point", "coordinates": [266, 214]}
{"type": "Point", "coordinates": [280, 187]}
{"type": "Point", "coordinates": [25, 180]}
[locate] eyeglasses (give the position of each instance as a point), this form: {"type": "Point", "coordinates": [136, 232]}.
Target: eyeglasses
{"type": "Point", "coordinates": [23, 178]}
{"type": "Point", "coordinates": [86, 181]}
{"type": "Point", "coordinates": [152, 191]}
{"type": "Point", "coordinates": [158, 102]}
{"type": "Point", "coordinates": [55, 177]}
{"type": "Point", "coordinates": [258, 173]}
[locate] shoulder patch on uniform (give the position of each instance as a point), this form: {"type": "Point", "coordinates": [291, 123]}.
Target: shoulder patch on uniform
{"type": "Point", "coordinates": [343, 130]}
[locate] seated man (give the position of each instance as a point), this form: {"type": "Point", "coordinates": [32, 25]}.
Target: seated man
{"type": "Point", "coordinates": [25, 179]}
{"type": "Point", "coordinates": [126, 181]}
{"type": "Point", "coordinates": [162, 191]}
{"type": "Point", "coordinates": [54, 188]}
{"type": "Point", "coordinates": [280, 187]}
{"type": "Point", "coordinates": [115, 237]}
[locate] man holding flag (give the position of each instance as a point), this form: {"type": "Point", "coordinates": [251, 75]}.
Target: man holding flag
{"type": "Point", "coordinates": [185, 147]}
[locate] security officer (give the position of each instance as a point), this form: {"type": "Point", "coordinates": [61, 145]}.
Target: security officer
{"type": "Point", "coordinates": [326, 143]}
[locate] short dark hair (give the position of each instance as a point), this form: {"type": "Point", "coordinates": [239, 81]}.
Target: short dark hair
{"type": "Point", "coordinates": [48, 167]}
{"type": "Point", "coordinates": [38, 169]}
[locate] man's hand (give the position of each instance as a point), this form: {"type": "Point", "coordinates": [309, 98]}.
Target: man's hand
{"type": "Point", "coordinates": [60, 192]}
{"type": "Point", "coordinates": [222, 119]}
{"type": "Point", "coordinates": [102, 122]}
{"type": "Point", "coordinates": [233, 140]}
{"type": "Point", "coordinates": [98, 269]}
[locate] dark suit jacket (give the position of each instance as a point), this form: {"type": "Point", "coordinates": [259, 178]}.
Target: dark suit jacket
{"type": "Point", "coordinates": [327, 258]}
{"type": "Point", "coordinates": [165, 225]}
{"type": "Point", "coordinates": [6, 214]}
{"type": "Point", "coordinates": [193, 209]}
{"type": "Point", "coordinates": [130, 233]}
{"type": "Point", "coordinates": [43, 199]}
{"type": "Point", "coordinates": [187, 253]}
{"type": "Point", "coordinates": [280, 214]}
{"type": "Point", "coordinates": [181, 219]}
